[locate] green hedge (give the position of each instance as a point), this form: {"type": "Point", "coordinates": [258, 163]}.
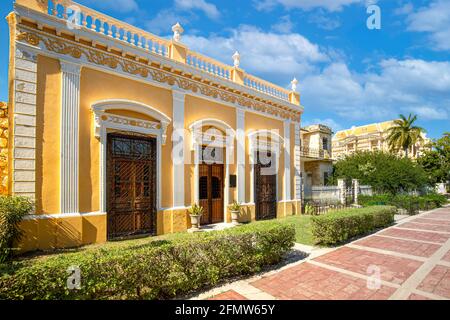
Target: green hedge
{"type": "Point", "coordinates": [342, 225]}
{"type": "Point", "coordinates": [12, 211]}
{"type": "Point", "coordinates": [412, 204]}
{"type": "Point", "coordinates": [154, 270]}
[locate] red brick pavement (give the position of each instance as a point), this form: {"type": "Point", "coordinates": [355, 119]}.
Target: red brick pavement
{"type": "Point", "coordinates": [335, 278]}
{"type": "Point", "coordinates": [422, 226]}
{"type": "Point", "coordinates": [414, 248]}
{"type": "Point", "coordinates": [310, 282]}
{"type": "Point", "coordinates": [392, 269]}
{"type": "Point", "coordinates": [415, 296]}
{"type": "Point", "coordinates": [416, 235]}
{"type": "Point", "coordinates": [228, 295]}
{"type": "Point", "coordinates": [432, 221]}
{"type": "Point", "coordinates": [447, 257]}
{"type": "Point", "coordinates": [437, 282]}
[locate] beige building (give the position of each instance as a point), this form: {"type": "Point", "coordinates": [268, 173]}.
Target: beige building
{"type": "Point", "coordinates": [370, 137]}
{"type": "Point", "coordinates": [317, 163]}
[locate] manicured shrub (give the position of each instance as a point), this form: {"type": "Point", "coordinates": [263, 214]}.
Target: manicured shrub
{"type": "Point", "coordinates": [342, 225]}
{"type": "Point", "coordinates": [154, 270]}
{"type": "Point", "coordinates": [409, 203]}
{"type": "Point", "coordinates": [12, 211]}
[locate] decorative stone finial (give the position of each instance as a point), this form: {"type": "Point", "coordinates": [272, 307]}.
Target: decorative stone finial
{"type": "Point", "coordinates": [177, 32]}
{"type": "Point", "coordinates": [236, 59]}
{"type": "Point", "coordinates": [294, 84]}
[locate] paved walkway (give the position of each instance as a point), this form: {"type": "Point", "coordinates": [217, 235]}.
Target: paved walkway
{"type": "Point", "coordinates": [409, 261]}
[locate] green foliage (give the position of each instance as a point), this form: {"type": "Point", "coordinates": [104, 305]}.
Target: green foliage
{"type": "Point", "coordinates": [155, 270]}
{"type": "Point", "coordinates": [412, 204]}
{"type": "Point", "coordinates": [235, 206]}
{"type": "Point", "coordinates": [436, 161]}
{"type": "Point", "coordinates": [12, 211]}
{"type": "Point", "coordinates": [341, 225]}
{"type": "Point", "coordinates": [404, 134]}
{"type": "Point", "coordinates": [195, 210]}
{"type": "Point", "coordinates": [385, 172]}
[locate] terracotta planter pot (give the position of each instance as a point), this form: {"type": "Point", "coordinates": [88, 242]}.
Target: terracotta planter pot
{"type": "Point", "coordinates": [235, 217]}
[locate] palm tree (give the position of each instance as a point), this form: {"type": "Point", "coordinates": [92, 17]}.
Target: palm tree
{"type": "Point", "coordinates": [404, 134]}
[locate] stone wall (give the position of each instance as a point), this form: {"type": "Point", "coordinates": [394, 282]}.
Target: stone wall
{"type": "Point", "coordinates": [4, 132]}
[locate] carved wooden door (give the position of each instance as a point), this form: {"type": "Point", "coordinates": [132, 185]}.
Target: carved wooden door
{"type": "Point", "coordinates": [265, 190]}
{"type": "Point", "coordinates": [211, 193]}
{"type": "Point", "coordinates": [131, 185]}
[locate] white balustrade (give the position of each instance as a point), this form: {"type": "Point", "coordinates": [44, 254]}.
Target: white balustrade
{"type": "Point", "coordinates": [121, 31]}
{"type": "Point", "coordinates": [103, 24]}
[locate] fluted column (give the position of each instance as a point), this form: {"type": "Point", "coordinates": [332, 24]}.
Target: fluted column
{"type": "Point", "coordinates": [287, 161]}
{"type": "Point", "coordinates": [70, 107]}
{"type": "Point", "coordinates": [178, 152]}
{"type": "Point", "coordinates": [297, 163]}
{"type": "Point", "coordinates": [240, 154]}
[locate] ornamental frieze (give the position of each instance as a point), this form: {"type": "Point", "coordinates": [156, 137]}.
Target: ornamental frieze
{"type": "Point", "coordinates": [133, 68]}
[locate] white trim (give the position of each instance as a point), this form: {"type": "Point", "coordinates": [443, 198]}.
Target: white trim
{"type": "Point", "coordinates": [240, 154]}
{"type": "Point", "coordinates": [61, 25]}
{"type": "Point", "coordinates": [102, 128]}
{"type": "Point", "coordinates": [287, 161]}
{"type": "Point", "coordinates": [256, 146]}
{"type": "Point", "coordinates": [69, 137]}
{"type": "Point", "coordinates": [178, 168]}
{"type": "Point", "coordinates": [63, 215]}
{"type": "Point", "coordinates": [197, 142]}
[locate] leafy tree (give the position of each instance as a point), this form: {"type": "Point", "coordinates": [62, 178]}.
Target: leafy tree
{"type": "Point", "coordinates": [436, 161]}
{"type": "Point", "coordinates": [404, 134]}
{"type": "Point", "coordinates": [385, 172]}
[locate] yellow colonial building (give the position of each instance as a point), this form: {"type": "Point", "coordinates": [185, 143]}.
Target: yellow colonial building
{"type": "Point", "coordinates": [370, 137]}
{"type": "Point", "coordinates": [116, 132]}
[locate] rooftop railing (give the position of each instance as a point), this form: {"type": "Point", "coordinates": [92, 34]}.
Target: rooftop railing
{"type": "Point", "coordinates": [84, 17]}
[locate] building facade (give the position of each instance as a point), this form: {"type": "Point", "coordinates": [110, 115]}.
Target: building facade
{"type": "Point", "coordinates": [116, 132]}
{"type": "Point", "coordinates": [370, 137]}
{"type": "Point", "coordinates": [316, 155]}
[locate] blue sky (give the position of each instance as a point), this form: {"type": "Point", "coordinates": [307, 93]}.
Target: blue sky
{"type": "Point", "coordinates": [349, 75]}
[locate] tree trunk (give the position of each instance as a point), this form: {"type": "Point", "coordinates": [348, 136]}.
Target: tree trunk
{"type": "Point", "coordinates": [406, 150]}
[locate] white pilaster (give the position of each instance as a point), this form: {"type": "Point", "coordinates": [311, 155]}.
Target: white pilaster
{"type": "Point", "coordinates": [178, 151]}
{"type": "Point", "coordinates": [70, 107]}
{"type": "Point", "coordinates": [24, 124]}
{"type": "Point", "coordinates": [240, 154]}
{"type": "Point", "coordinates": [297, 163]}
{"type": "Point", "coordinates": [287, 161]}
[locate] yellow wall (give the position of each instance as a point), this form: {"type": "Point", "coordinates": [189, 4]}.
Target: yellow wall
{"type": "Point", "coordinates": [97, 86]}
{"type": "Point", "coordinates": [48, 106]}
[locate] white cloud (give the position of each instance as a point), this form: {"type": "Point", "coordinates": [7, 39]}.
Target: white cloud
{"type": "Point", "coordinates": [324, 21]}
{"type": "Point", "coordinates": [278, 57]}
{"type": "Point", "coordinates": [435, 20]}
{"type": "Point", "coordinates": [164, 20]}
{"type": "Point", "coordinates": [285, 25]}
{"type": "Point", "coordinates": [114, 5]}
{"type": "Point", "coordinates": [330, 5]}
{"type": "Point", "coordinates": [208, 8]}
{"type": "Point", "coordinates": [328, 122]}
{"type": "Point", "coordinates": [399, 86]}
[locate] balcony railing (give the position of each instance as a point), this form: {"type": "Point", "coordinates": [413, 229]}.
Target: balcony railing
{"type": "Point", "coordinates": [100, 23]}
{"type": "Point", "coordinates": [308, 152]}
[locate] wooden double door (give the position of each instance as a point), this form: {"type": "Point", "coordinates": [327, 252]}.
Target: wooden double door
{"type": "Point", "coordinates": [211, 186]}
{"type": "Point", "coordinates": [131, 185]}
{"type": "Point", "coordinates": [265, 189]}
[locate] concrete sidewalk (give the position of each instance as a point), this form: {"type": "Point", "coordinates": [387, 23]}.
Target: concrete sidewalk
{"type": "Point", "coordinates": [409, 261]}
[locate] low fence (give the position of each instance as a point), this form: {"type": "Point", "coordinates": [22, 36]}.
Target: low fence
{"type": "Point", "coordinates": [321, 199]}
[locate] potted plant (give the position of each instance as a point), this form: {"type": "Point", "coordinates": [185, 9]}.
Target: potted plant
{"type": "Point", "coordinates": [195, 211]}
{"type": "Point", "coordinates": [235, 209]}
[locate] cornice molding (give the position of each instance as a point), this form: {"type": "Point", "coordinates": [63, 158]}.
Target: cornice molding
{"type": "Point", "coordinates": [220, 89]}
